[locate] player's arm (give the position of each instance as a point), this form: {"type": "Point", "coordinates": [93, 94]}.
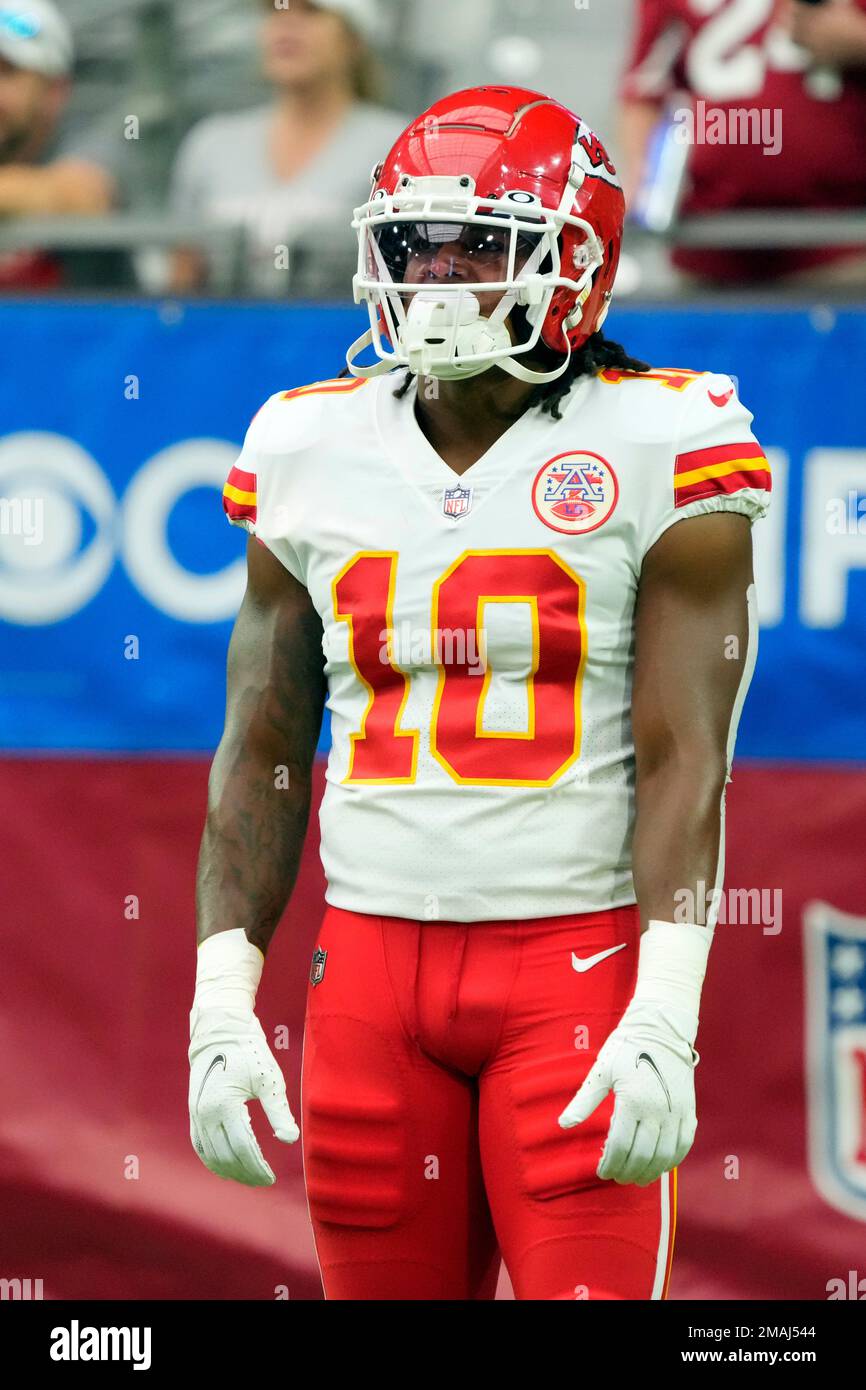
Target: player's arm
{"type": "Point", "coordinates": [691, 651]}
{"type": "Point", "coordinates": [257, 815]}
{"type": "Point", "coordinates": [693, 658]}
{"type": "Point", "coordinates": [258, 808]}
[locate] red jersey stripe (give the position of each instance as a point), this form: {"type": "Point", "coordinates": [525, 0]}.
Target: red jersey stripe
{"type": "Point", "coordinates": [723, 484]}
{"type": "Point", "coordinates": [718, 453]}
{"type": "Point", "coordinates": [243, 481]}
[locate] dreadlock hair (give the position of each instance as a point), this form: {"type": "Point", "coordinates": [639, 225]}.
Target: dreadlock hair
{"type": "Point", "coordinates": [597, 353]}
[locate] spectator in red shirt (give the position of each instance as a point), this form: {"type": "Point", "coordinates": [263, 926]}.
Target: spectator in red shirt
{"type": "Point", "coordinates": [804, 61]}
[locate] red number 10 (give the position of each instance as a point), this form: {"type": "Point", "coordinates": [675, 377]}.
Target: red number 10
{"type": "Point", "coordinates": [381, 751]}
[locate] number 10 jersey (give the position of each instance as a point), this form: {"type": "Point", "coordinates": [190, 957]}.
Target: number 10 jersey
{"type": "Point", "coordinates": [479, 629]}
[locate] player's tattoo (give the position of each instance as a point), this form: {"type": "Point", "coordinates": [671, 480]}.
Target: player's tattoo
{"type": "Point", "coordinates": [260, 782]}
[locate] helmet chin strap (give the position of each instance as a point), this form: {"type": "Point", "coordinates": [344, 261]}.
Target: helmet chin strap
{"type": "Point", "coordinates": [446, 373]}
{"type": "Point", "coordinates": [515, 368]}
{"type": "Point", "coordinates": [436, 329]}
{"type": "Point", "coordinates": [376, 368]}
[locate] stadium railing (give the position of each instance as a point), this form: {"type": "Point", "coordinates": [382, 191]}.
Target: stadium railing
{"type": "Point", "coordinates": [226, 244]}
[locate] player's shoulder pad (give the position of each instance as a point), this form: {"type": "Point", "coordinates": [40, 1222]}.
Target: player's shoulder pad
{"type": "Point", "coordinates": [294, 419]}
{"type": "Point", "coordinates": [664, 403]}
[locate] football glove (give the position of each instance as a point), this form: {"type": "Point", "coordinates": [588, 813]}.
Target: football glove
{"type": "Point", "coordinates": [648, 1061]}
{"type": "Point", "coordinates": [231, 1064]}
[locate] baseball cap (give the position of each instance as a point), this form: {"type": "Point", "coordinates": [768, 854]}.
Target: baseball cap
{"type": "Point", "coordinates": [363, 15]}
{"type": "Point", "coordinates": [34, 35]}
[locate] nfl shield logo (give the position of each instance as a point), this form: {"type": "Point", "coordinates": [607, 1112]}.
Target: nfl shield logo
{"type": "Point", "coordinates": [317, 969]}
{"type": "Point", "coordinates": [836, 1054]}
{"type": "Point", "coordinates": [457, 501]}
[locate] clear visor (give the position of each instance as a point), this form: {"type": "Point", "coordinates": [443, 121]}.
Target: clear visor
{"type": "Point", "coordinates": [418, 253]}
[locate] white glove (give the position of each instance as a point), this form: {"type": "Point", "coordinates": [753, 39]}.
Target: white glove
{"type": "Point", "coordinates": [648, 1063]}
{"type": "Point", "coordinates": [231, 1063]}
{"type": "Point", "coordinates": [648, 1060]}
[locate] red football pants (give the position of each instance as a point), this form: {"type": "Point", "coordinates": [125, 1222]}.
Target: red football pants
{"type": "Point", "coordinates": [437, 1058]}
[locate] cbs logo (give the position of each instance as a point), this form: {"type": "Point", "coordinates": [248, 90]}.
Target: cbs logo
{"type": "Point", "coordinates": [62, 529]}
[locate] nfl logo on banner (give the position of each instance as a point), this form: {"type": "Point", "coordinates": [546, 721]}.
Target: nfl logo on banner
{"type": "Point", "coordinates": [836, 1055]}
{"type": "Point", "coordinates": [317, 969]}
{"type": "Point", "coordinates": [457, 501]}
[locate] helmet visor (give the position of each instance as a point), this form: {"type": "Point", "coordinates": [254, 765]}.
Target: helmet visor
{"type": "Point", "coordinates": [423, 253]}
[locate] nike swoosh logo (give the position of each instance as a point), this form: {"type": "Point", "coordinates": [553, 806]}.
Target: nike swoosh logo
{"type": "Point", "coordinates": [589, 961]}
{"type": "Point", "coordinates": [721, 400]}
{"type": "Point", "coordinates": [220, 1057]}
{"type": "Point", "coordinates": [645, 1057]}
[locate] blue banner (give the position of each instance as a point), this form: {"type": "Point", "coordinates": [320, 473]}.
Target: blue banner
{"type": "Point", "coordinates": [119, 577]}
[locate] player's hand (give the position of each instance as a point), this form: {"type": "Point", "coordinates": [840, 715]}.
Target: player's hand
{"type": "Point", "coordinates": [648, 1063]}
{"type": "Point", "coordinates": [833, 33]}
{"type": "Point", "coordinates": [230, 1064]}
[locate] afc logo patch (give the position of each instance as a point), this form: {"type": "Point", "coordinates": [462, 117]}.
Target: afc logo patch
{"type": "Point", "coordinates": [575, 492]}
{"type": "Point", "coordinates": [317, 968]}
{"type": "Point", "coordinates": [835, 945]}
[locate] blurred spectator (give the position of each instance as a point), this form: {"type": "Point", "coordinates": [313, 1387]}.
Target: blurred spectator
{"type": "Point", "coordinates": [292, 171]}
{"type": "Point", "coordinates": [793, 83]}
{"type": "Point", "coordinates": [42, 172]}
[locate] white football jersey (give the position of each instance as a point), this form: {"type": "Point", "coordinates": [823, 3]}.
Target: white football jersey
{"type": "Point", "coordinates": [479, 629]}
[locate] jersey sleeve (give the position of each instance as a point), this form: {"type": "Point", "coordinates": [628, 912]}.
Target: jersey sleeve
{"type": "Point", "coordinates": [658, 41]}
{"type": "Point", "coordinates": [715, 463]}
{"type": "Point", "coordinates": [257, 493]}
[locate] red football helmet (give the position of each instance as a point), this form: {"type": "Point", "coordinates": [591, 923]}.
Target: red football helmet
{"type": "Point", "coordinates": [515, 185]}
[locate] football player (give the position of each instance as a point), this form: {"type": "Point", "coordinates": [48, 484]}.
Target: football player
{"type": "Point", "coordinates": [516, 565]}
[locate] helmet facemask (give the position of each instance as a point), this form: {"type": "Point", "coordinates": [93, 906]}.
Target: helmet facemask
{"type": "Point", "coordinates": [503, 252]}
